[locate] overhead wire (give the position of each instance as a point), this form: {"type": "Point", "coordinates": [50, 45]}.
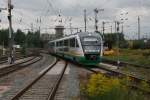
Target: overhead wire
{"type": "Point", "coordinates": [51, 6]}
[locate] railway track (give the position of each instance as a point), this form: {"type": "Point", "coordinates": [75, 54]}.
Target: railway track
{"type": "Point", "coordinates": [14, 67]}
{"type": "Point", "coordinates": [43, 87]}
{"type": "Point", "coordinates": [115, 73]}
{"type": "Point", "coordinates": [3, 58]}
{"type": "Point", "coordinates": [6, 59]}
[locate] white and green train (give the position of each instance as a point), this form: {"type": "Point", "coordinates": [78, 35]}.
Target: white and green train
{"type": "Point", "coordinates": [83, 47]}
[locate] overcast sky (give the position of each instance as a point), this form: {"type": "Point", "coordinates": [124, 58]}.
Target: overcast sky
{"type": "Point", "coordinates": [26, 12]}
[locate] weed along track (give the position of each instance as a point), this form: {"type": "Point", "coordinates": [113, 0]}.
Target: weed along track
{"type": "Point", "coordinates": [102, 84]}
{"type": "Point", "coordinates": [134, 81]}
{"type": "Point", "coordinates": [131, 86]}
{"type": "Point", "coordinates": [45, 85]}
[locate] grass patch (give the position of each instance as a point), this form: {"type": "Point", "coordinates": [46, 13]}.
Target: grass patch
{"type": "Point", "coordinates": [100, 87]}
{"type": "Point", "coordinates": [139, 56]}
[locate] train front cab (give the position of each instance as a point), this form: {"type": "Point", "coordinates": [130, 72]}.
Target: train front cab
{"type": "Point", "coordinates": [92, 48]}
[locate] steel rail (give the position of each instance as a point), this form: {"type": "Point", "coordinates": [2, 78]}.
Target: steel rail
{"type": "Point", "coordinates": [56, 85]}
{"type": "Point", "coordinates": [14, 67]}
{"type": "Point", "coordinates": [21, 92]}
{"type": "Point", "coordinates": [6, 60]}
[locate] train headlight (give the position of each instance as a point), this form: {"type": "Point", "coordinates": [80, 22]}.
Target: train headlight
{"type": "Point", "coordinates": [91, 50]}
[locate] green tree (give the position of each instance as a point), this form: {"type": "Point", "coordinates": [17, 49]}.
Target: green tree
{"type": "Point", "coordinates": [33, 39]}
{"type": "Point", "coordinates": [4, 34]}
{"type": "Point", "coordinates": [111, 40]}
{"type": "Point", "coordinates": [37, 41]}
{"type": "Point", "coordinates": [20, 37]}
{"type": "Point", "coordinates": [30, 39]}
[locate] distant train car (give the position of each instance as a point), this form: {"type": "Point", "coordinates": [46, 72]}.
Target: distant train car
{"type": "Point", "coordinates": [84, 47]}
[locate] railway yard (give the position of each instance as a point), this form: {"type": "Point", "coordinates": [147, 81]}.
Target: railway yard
{"type": "Point", "coordinates": [74, 50]}
{"type": "Point", "coordinates": [45, 77]}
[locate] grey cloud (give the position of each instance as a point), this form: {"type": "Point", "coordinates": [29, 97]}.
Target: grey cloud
{"type": "Point", "coordinates": [74, 8]}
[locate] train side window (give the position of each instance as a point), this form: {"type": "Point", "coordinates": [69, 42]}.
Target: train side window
{"type": "Point", "coordinates": [77, 44]}
{"type": "Point", "coordinates": [66, 42]}
{"type": "Point", "coordinates": [57, 44]}
{"type": "Point", "coordinates": [72, 42]}
{"type": "Point", "coordinates": [52, 44]}
{"type": "Point", "coordinates": [61, 43]}
{"type": "Point", "coordinates": [49, 44]}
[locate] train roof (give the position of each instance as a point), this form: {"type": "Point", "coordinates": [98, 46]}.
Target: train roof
{"type": "Point", "coordinates": [80, 34]}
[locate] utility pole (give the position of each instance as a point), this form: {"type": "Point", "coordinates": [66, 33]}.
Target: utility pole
{"type": "Point", "coordinates": [77, 30]}
{"type": "Point", "coordinates": [115, 26]}
{"type": "Point", "coordinates": [103, 23]}
{"type": "Point", "coordinates": [96, 20]}
{"type": "Point", "coordinates": [70, 25]}
{"type": "Point", "coordinates": [111, 29]}
{"type": "Point", "coordinates": [117, 23]}
{"type": "Point", "coordinates": [32, 27]}
{"type": "Point", "coordinates": [122, 28]}
{"type": "Point", "coordinates": [85, 19]}
{"type": "Point", "coordinates": [11, 37]}
{"type": "Point", "coordinates": [123, 20]}
{"type": "Point", "coordinates": [39, 24]}
{"type": "Point", "coordinates": [139, 28]}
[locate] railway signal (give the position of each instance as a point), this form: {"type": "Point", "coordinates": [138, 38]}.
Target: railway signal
{"type": "Point", "coordinates": [96, 18]}
{"type": "Point", "coordinates": [11, 37]}
{"type": "Point", "coordinates": [139, 28]}
{"type": "Point", "coordinates": [123, 20]}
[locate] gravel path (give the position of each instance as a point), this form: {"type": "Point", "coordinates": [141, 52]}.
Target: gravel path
{"type": "Point", "coordinates": [72, 86]}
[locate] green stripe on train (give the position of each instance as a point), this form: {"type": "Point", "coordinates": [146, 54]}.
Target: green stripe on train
{"type": "Point", "coordinates": [80, 59]}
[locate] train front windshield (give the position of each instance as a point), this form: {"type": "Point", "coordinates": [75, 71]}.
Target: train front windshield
{"type": "Point", "coordinates": [91, 44]}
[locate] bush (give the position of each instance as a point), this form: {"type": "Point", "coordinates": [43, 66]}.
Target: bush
{"type": "Point", "coordinates": [124, 44]}
{"type": "Point", "coordinates": [146, 53]}
{"type": "Point", "coordinates": [140, 44]}
{"type": "Point", "coordinates": [100, 87]}
{"type": "Point", "coordinates": [23, 50]}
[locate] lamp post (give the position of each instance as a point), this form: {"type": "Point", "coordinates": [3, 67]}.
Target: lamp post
{"type": "Point", "coordinates": [118, 60]}
{"type": "Point", "coordinates": [117, 28]}
{"type": "Point", "coordinates": [71, 31]}
{"type": "Point", "coordinates": [123, 19]}
{"type": "Point", "coordinates": [122, 22]}
{"type": "Point", "coordinates": [85, 19]}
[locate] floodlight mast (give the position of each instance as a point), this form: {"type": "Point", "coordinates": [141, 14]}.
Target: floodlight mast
{"type": "Point", "coordinates": [96, 18]}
